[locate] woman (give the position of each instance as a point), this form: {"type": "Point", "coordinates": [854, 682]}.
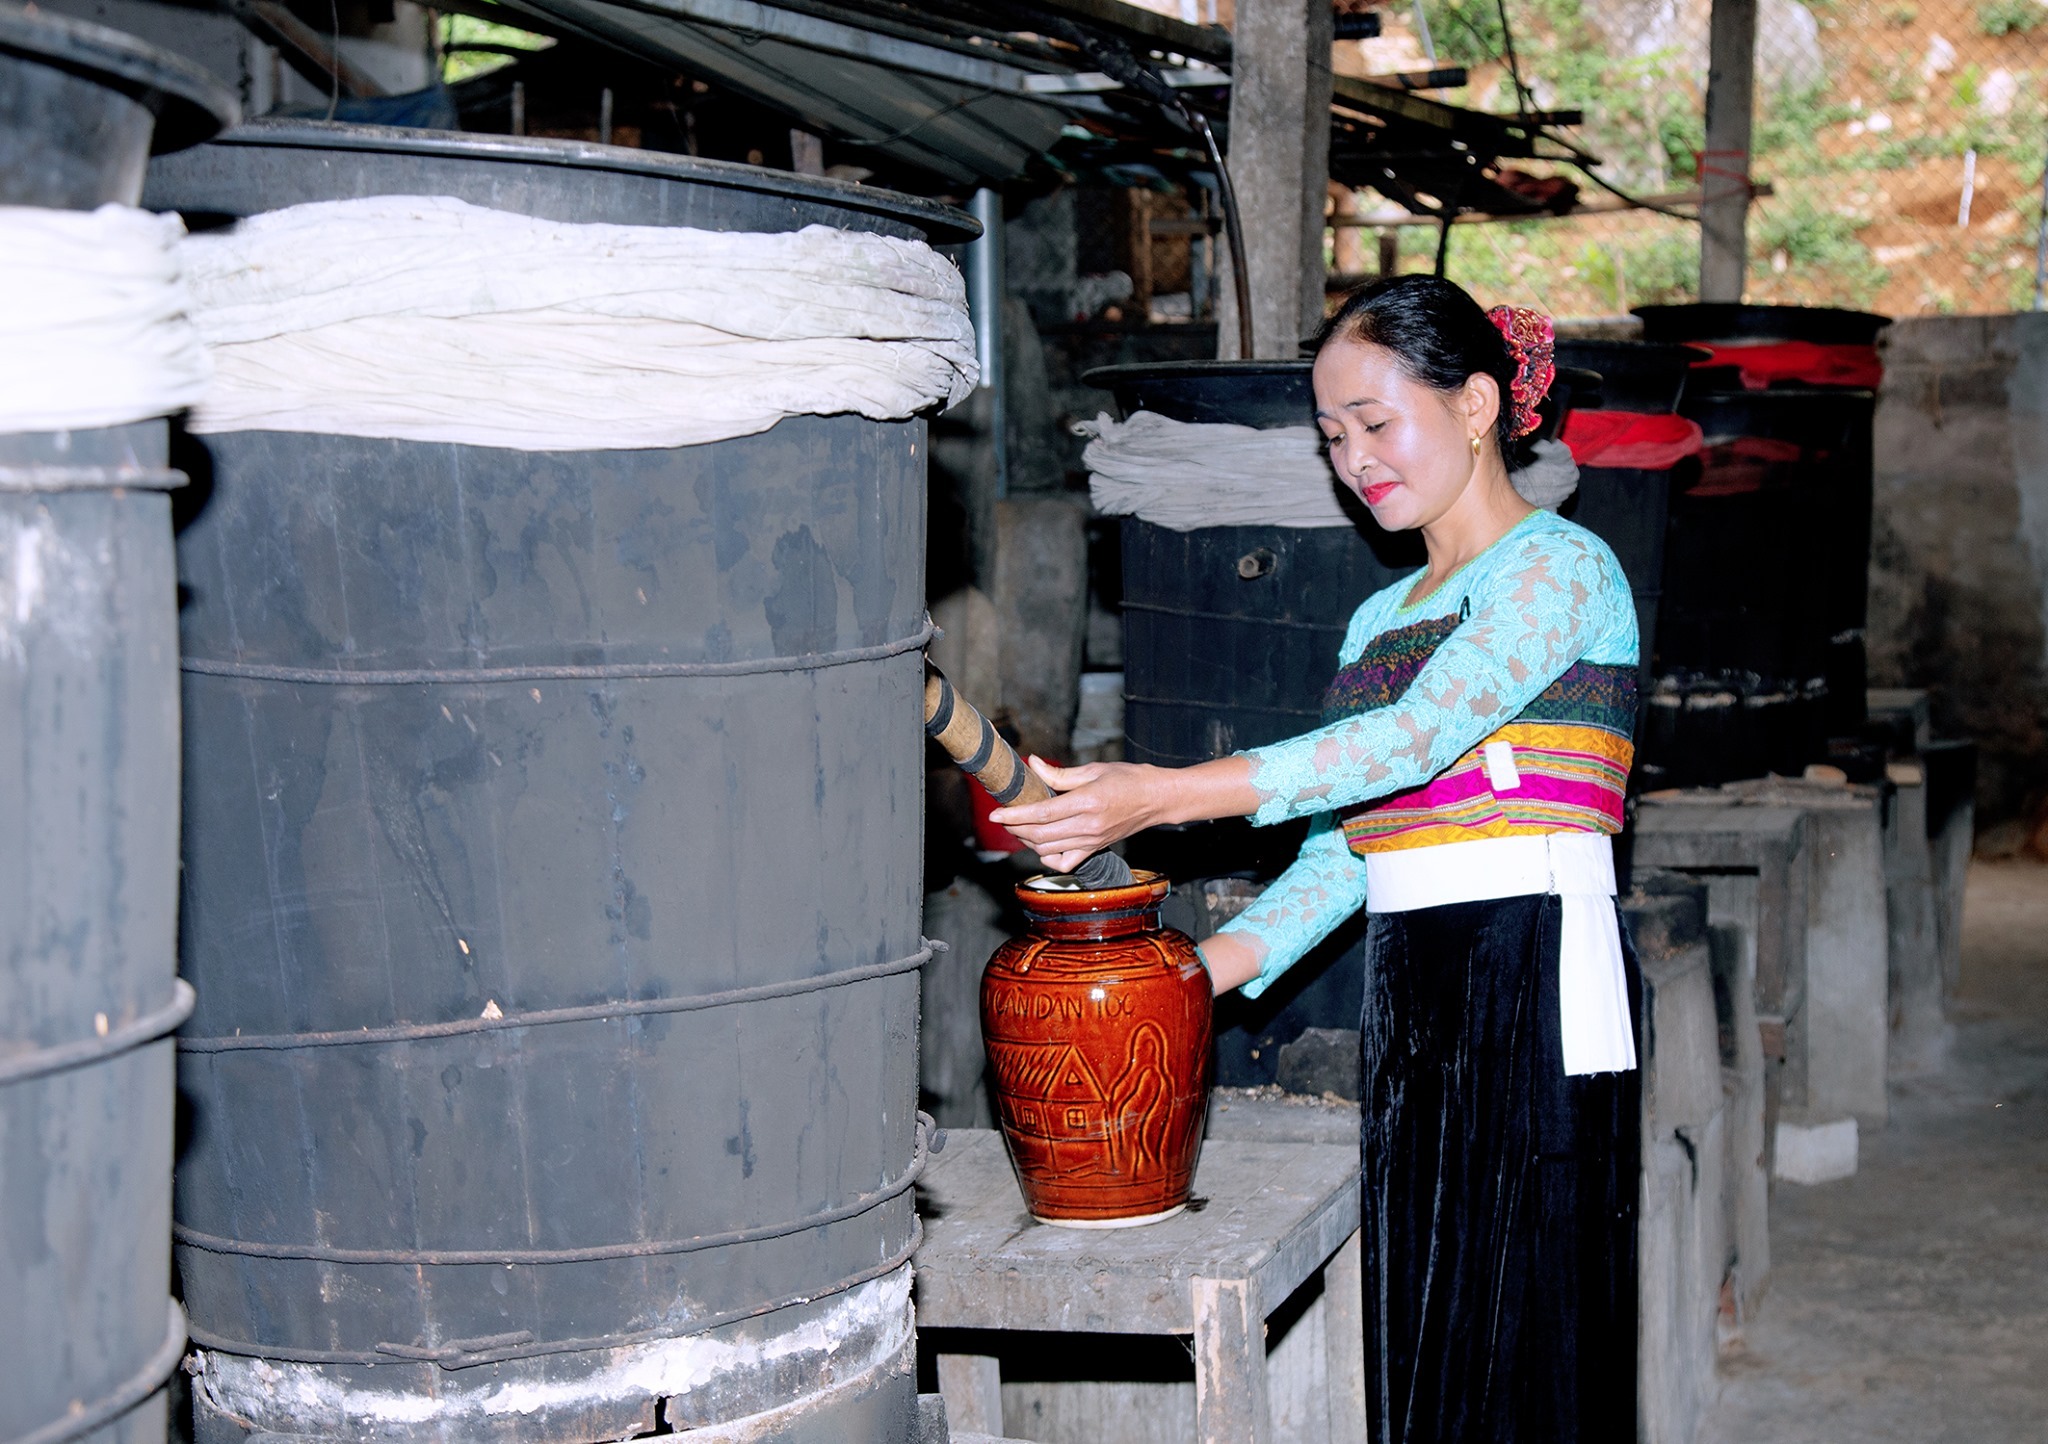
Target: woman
{"type": "Point", "coordinates": [1471, 768]}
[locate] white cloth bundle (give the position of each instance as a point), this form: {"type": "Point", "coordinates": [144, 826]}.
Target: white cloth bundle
{"type": "Point", "coordinates": [1185, 475]}
{"type": "Point", "coordinates": [93, 330]}
{"type": "Point", "coordinates": [430, 319]}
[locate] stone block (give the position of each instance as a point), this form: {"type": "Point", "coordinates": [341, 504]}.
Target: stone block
{"type": "Point", "coordinates": [1321, 1061]}
{"type": "Point", "coordinates": [1683, 1241]}
{"type": "Point", "coordinates": [1846, 1036]}
{"type": "Point", "coordinates": [1041, 600]}
{"type": "Point", "coordinates": [1817, 1153]}
{"type": "Point", "coordinates": [973, 915]}
{"type": "Point", "coordinates": [1753, 862]}
{"type": "Point", "coordinates": [1711, 834]}
{"type": "Point", "coordinates": [1952, 831]}
{"type": "Point", "coordinates": [1919, 1024]}
{"type": "Point", "coordinates": [1681, 1257]}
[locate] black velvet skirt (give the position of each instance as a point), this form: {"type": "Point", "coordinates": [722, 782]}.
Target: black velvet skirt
{"type": "Point", "coordinates": [1499, 1194]}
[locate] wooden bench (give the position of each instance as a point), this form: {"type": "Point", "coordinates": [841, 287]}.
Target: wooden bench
{"type": "Point", "coordinates": [1270, 1215]}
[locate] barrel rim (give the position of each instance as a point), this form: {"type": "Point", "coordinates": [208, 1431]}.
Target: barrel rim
{"type": "Point", "coordinates": [1683, 353]}
{"type": "Point", "coordinates": [1733, 322]}
{"type": "Point", "coordinates": [190, 105]}
{"type": "Point", "coordinates": [1105, 378]}
{"type": "Point", "coordinates": [941, 223]}
{"type": "Point", "coordinates": [1806, 395]}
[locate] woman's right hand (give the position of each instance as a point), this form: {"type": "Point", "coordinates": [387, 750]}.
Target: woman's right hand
{"type": "Point", "coordinates": [1092, 807]}
{"type": "Point", "coordinates": [1102, 803]}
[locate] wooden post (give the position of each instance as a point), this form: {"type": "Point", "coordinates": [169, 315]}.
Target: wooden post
{"type": "Point", "coordinates": [1230, 1360]}
{"type": "Point", "coordinates": [1280, 163]}
{"type": "Point", "coordinates": [972, 1386]}
{"type": "Point", "coordinates": [1724, 165]}
{"type": "Point", "coordinates": [1344, 1339]}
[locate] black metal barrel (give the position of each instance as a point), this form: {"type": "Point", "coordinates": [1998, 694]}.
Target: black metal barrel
{"type": "Point", "coordinates": [553, 854]}
{"type": "Point", "coordinates": [1231, 636]}
{"type": "Point", "coordinates": [89, 797]}
{"type": "Point", "coordinates": [1831, 428]}
{"type": "Point", "coordinates": [1629, 507]}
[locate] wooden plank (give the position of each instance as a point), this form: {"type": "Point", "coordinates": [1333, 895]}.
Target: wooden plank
{"type": "Point", "coordinates": [1230, 1362]}
{"type": "Point", "coordinates": [972, 1386]}
{"type": "Point", "coordinates": [1344, 1339]}
{"type": "Point", "coordinates": [1273, 1212]}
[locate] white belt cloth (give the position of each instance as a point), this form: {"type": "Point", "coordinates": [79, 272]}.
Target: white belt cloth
{"type": "Point", "coordinates": [1578, 868]}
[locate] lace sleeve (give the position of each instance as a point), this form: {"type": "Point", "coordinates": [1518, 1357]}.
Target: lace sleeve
{"type": "Point", "coordinates": [1541, 612]}
{"type": "Point", "coordinates": [1324, 886]}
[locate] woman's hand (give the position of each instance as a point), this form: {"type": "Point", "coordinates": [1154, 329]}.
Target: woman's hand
{"type": "Point", "coordinates": [1094, 806]}
{"type": "Point", "coordinates": [1105, 802]}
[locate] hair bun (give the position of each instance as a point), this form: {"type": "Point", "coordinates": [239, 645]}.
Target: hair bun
{"type": "Point", "coordinates": [1532, 345]}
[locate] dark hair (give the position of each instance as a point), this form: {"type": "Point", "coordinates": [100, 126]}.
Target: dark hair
{"type": "Point", "coordinates": [1441, 336]}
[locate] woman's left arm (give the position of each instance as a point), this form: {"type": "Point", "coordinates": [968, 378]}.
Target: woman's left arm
{"type": "Point", "coordinates": [1545, 610]}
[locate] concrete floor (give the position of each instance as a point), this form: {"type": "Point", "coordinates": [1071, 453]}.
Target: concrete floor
{"type": "Point", "coordinates": [1911, 1301]}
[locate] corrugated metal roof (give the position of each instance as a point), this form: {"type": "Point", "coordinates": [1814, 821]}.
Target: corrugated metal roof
{"type": "Point", "coordinates": [968, 119]}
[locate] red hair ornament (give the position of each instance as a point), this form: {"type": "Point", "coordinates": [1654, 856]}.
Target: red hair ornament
{"type": "Point", "coordinates": [1532, 345]}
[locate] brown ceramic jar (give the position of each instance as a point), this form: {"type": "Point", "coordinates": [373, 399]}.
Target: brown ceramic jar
{"type": "Point", "coordinates": [1097, 1028]}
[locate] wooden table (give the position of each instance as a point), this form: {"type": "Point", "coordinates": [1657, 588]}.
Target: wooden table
{"type": "Point", "coordinates": [1275, 1213]}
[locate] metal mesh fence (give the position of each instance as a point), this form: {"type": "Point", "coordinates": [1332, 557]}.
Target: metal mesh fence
{"type": "Point", "coordinates": [1902, 142]}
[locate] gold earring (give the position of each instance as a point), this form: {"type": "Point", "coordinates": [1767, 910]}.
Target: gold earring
{"type": "Point", "coordinates": [1475, 446]}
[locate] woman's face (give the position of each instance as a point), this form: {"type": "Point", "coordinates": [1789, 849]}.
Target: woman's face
{"type": "Point", "coordinates": [1404, 447]}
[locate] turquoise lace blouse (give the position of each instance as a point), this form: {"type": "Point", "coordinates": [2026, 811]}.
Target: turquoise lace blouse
{"type": "Point", "coordinates": [1547, 594]}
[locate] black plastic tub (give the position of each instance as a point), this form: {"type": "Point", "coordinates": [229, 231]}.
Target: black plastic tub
{"type": "Point", "coordinates": [1634, 375]}
{"type": "Point", "coordinates": [1734, 322]}
{"type": "Point", "coordinates": [89, 793]}
{"type": "Point", "coordinates": [553, 881]}
{"type": "Point", "coordinates": [1231, 633]}
{"type": "Point", "coordinates": [1770, 549]}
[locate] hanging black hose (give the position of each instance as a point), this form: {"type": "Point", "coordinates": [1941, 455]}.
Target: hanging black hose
{"type": "Point", "coordinates": [1232, 229]}
{"type": "Point", "coordinates": [1115, 59]}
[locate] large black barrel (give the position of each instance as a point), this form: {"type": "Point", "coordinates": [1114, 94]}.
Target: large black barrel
{"type": "Point", "coordinates": [1231, 636]}
{"type": "Point", "coordinates": [1758, 604]}
{"type": "Point", "coordinates": [553, 853]}
{"type": "Point", "coordinates": [1629, 507]}
{"type": "Point", "coordinates": [89, 798]}
{"type": "Point", "coordinates": [1833, 435]}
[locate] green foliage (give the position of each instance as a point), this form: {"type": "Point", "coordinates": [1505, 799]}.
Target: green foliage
{"type": "Point", "coordinates": [1682, 135]}
{"type": "Point", "coordinates": [458, 65]}
{"type": "Point", "coordinates": [1900, 17]}
{"type": "Point", "coordinates": [1466, 32]}
{"type": "Point", "coordinates": [2008, 17]}
{"type": "Point", "coordinates": [1664, 267]}
{"type": "Point", "coordinates": [1969, 84]}
{"type": "Point", "coordinates": [1792, 117]}
{"type": "Point", "coordinates": [1818, 243]}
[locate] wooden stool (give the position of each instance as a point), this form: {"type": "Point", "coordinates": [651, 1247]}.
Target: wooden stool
{"type": "Point", "coordinates": [1272, 1215]}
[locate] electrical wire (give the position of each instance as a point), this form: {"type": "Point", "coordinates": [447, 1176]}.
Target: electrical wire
{"type": "Point", "coordinates": [334, 59]}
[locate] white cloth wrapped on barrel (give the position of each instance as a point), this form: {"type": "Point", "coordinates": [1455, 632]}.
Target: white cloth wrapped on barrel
{"type": "Point", "coordinates": [430, 319]}
{"type": "Point", "coordinates": [93, 331]}
{"type": "Point", "coordinates": [1184, 475]}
